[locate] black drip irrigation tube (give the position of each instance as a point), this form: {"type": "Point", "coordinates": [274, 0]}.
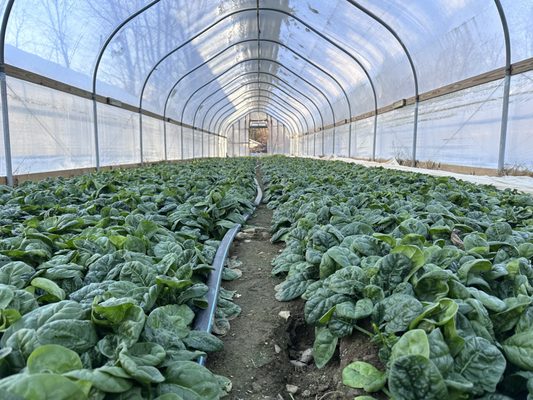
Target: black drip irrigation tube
{"type": "Point", "coordinates": [204, 319]}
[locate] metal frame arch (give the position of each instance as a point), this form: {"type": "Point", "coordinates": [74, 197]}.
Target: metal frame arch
{"type": "Point", "coordinates": [248, 111]}
{"type": "Point", "coordinates": [227, 48]}
{"type": "Point", "coordinates": [322, 70]}
{"type": "Point", "coordinates": [267, 74]}
{"type": "Point", "coordinates": [413, 70]}
{"type": "Point", "coordinates": [274, 111]}
{"type": "Point", "coordinates": [303, 58]}
{"type": "Point", "coordinates": [202, 126]}
{"type": "Point", "coordinates": [309, 27]}
{"type": "Point", "coordinates": [275, 102]}
{"type": "Point", "coordinates": [274, 108]}
{"type": "Point", "coordinates": [251, 60]}
{"type": "Point", "coordinates": [284, 117]}
{"type": "Point", "coordinates": [506, 87]}
{"type": "Point", "coordinates": [95, 74]}
{"type": "Point", "coordinates": [233, 91]}
{"type": "Point", "coordinates": [225, 72]}
{"type": "Point", "coordinates": [3, 93]}
{"type": "Point", "coordinates": [261, 96]}
{"type": "Point", "coordinates": [264, 109]}
{"type": "Point", "coordinates": [280, 64]}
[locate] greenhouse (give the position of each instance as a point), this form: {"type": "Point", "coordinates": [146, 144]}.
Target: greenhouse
{"type": "Point", "coordinates": [267, 199]}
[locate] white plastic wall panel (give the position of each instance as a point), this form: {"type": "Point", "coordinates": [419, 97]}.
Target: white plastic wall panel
{"type": "Point", "coordinates": [325, 149]}
{"type": "Point", "coordinates": [173, 141]}
{"type": "Point", "coordinates": [519, 149]}
{"type": "Point", "coordinates": [153, 139]}
{"type": "Point", "coordinates": [342, 137]}
{"type": "Point", "coordinates": [188, 143]}
{"type": "Point", "coordinates": [49, 130]}
{"type": "Point", "coordinates": [462, 128]}
{"type": "Point", "coordinates": [363, 138]}
{"type": "Point", "coordinates": [119, 136]}
{"type": "Point", "coordinates": [395, 134]}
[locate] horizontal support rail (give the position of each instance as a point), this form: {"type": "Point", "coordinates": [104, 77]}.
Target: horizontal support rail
{"type": "Point", "coordinates": [499, 73]}
{"type": "Point", "coordinates": [41, 80]}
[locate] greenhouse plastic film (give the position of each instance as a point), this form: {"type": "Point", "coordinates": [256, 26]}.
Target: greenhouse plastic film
{"type": "Point", "coordinates": [463, 127]}
{"type": "Point", "coordinates": [362, 138]}
{"type": "Point", "coordinates": [173, 141]}
{"type": "Point", "coordinates": [342, 137]}
{"type": "Point", "coordinates": [519, 149]}
{"type": "Point", "coordinates": [153, 140]}
{"type": "Point", "coordinates": [187, 143]}
{"type": "Point", "coordinates": [119, 136]}
{"type": "Point", "coordinates": [49, 130]}
{"type": "Point", "coordinates": [395, 134]}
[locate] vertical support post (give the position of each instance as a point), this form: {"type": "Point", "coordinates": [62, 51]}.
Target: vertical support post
{"type": "Point", "coordinates": [240, 138]}
{"type": "Point", "coordinates": [505, 119]}
{"type": "Point", "coordinates": [284, 139]}
{"type": "Point", "coordinates": [193, 143]}
{"type": "Point", "coordinates": [5, 125]}
{"type": "Point", "coordinates": [233, 140]}
{"type": "Point", "coordinates": [202, 148]}
{"type": "Point", "coordinates": [277, 137]}
{"type": "Point", "coordinates": [271, 134]}
{"type": "Point", "coordinates": [375, 136]}
{"type": "Point", "coordinates": [324, 141]}
{"type": "Point", "coordinates": [506, 88]}
{"type": "Point", "coordinates": [165, 139]}
{"type": "Point", "coordinates": [314, 144]}
{"type": "Point", "coordinates": [96, 134]}
{"type": "Point", "coordinates": [181, 142]}
{"type": "Point", "coordinates": [141, 135]}
{"type": "Point", "coordinates": [333, 142]}
{"type": "Point", "coordinates": [415, 132]}
{"type": "Point", "coordinates": [3, 93]}
{"type": "Point", "coordinates": [247, 133]}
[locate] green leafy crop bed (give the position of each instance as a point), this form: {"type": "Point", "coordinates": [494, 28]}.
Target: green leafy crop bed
{"type": "Point", "coordinates": [438, 271]}
{"type": "Point", "coordinates": [101, 276]}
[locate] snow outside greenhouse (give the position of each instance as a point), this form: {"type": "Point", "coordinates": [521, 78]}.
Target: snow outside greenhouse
{"type": "Point", "coordinates": [266, 199]}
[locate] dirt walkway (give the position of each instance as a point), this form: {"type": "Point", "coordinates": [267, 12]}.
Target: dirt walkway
{"type": "Point", "coordinates": [259, 347]}
{"type": "Point", "coordinates": [249, 357]}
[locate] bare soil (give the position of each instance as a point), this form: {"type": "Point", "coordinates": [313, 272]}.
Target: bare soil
{"type": "Point", "coordinates": [260, 345]}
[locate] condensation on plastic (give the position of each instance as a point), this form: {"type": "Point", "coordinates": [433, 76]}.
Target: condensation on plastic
{"type": "Point", "coordinates": [518, 149]}
{"type": "Point", "coordinates": [50, 130]}
{"type": "Point", "coordinates": [153, 139]}
{"type": "Point", "coordinates": [119, 136]}
{"type": "Point", "coordinates": [462, 128]}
